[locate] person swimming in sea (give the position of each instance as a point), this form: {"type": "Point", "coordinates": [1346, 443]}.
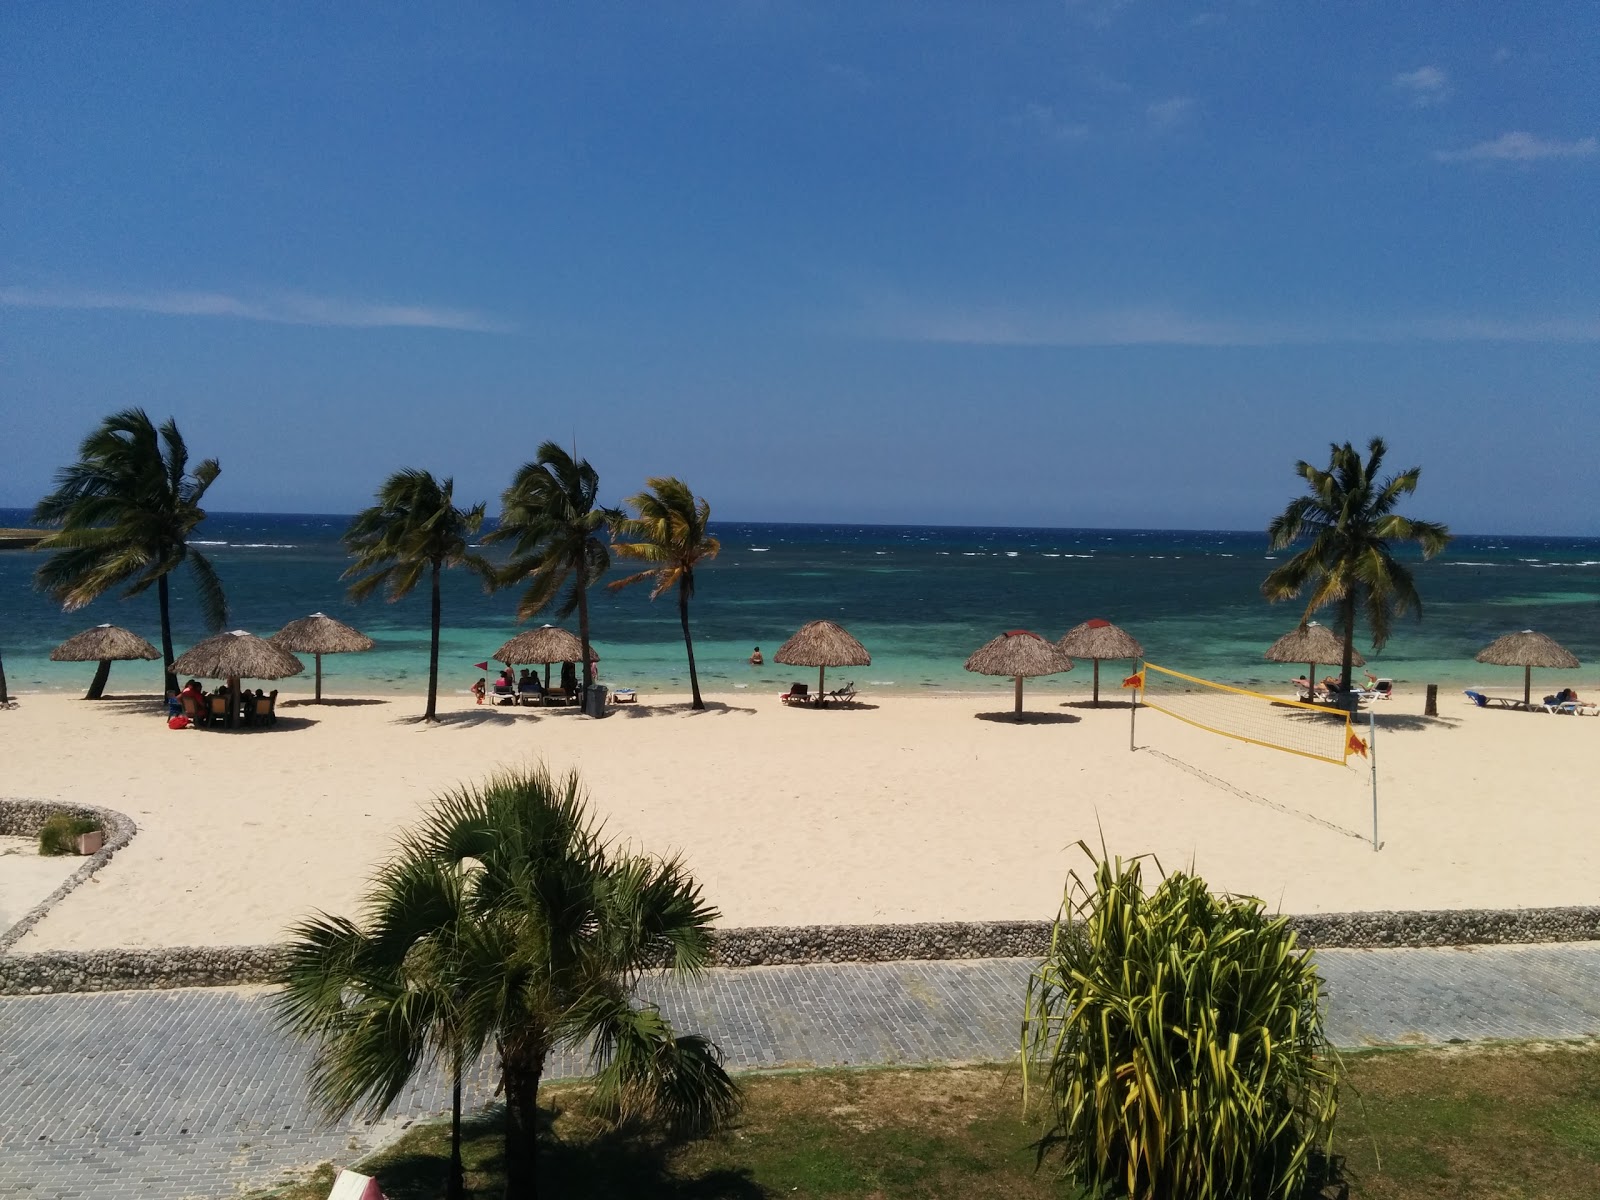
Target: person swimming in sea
{"type": "Point", "coordinates": [755, 658]}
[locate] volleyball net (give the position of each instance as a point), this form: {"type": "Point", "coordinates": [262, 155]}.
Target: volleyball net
{"type": "Point", "coordinates": [1310, 730]}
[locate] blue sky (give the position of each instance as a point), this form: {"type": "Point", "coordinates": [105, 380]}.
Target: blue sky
{"type": "Point", "coordinates": [1100, 263]}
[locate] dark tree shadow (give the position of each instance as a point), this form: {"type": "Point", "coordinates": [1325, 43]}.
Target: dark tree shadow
{"type": "Point", "coordinates": [677, 708]}
{"type": "Point", "coordinates": [334, 702]}
{"type": "Point", "coordinates": [281, 725]}
{"type": "Point", "coordinates": [1406, 722]}
{"type": "Point", "coordinates": [474, 717]}
{"type": "Point", "coordinates": [1124, 705]}
{"type": "Point", "coordinates": [611, 1165]}
{"type": "Point", "coordinates": [136, 705]}
{"type": "Point", "coordinates": [1029, 718]}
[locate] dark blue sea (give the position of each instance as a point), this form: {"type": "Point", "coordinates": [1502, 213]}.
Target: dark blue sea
{"type": "Point", "coordinates": [921, 598]}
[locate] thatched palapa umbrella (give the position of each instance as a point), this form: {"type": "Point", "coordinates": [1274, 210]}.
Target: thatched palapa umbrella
{"type": "Point", "coordinates": [1527, 650]}
{"type": "Point", "coordinates": [1020, 654]}
{"type": "Point", "coordinates": [320, 634]}
{"type": "Point", "coordinates": [822, 644]}
{"type": "Point", "coordinates": [1311, 644]}
{"type": "Point", "coordinates": [235, 656]}
{"type": "Point", "coordinates": [547, 644]}
{"type": "Point", "coordinates": [103, 644]}
{"type": "Point", "coordinates": [1097, 638]}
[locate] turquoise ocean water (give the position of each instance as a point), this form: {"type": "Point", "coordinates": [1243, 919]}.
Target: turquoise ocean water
{"type": "Point", "coordinates": [920, 598]}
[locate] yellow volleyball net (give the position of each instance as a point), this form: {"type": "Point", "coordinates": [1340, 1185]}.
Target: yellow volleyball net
{"type": "Point", "coordinates": [1316, 731]}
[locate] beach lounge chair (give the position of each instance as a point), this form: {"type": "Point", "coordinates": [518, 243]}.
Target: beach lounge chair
{"type": "Point", "coordinates": [1483, 700]}
{"type": "Point", "coordinates": [798, 693]}
{"type": "Point", "coordinates": [843, 695]}
{"type": "Point", "coordinates": [624, 696]}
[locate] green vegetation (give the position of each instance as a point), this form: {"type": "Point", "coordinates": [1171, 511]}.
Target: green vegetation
{"type": "Point", "coordinates": [504, 922]}
{"type": "Point", "coordinates": [59, 834]}
{"type": "Point", "coordinates": [126, 510]}
{"type": "Point", "coordinates": [414, 527]}
{"type": "Point", "coordinates": [1350, 522]}
{"type": "Point", "coordinates": [670, 532]}
{"type": "Point", "coordinates": [551, 519]}
{"type": "Point", "coordinates": [1421, 1125]}
{"type": "Point", "coordinates": [1178, 1041]}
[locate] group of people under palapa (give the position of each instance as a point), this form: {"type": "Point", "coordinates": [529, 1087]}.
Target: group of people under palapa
{"type": "Point", "coordinates": [510, 688]}
{"type": "Point", "coordinates": [193, 705]}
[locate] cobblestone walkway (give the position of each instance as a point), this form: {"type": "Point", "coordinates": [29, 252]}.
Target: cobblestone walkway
{"type": "Point", "coordinates": [192, 1093]}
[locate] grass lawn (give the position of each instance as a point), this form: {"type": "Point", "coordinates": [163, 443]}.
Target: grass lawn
{"type": "Point", "coordinates": [1499, 1122]}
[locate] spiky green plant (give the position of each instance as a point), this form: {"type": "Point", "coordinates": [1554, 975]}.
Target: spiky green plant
{"type": "Point", "coordinates": [127, 509]}
{"type": "Point", "coordinates": [1349, 525]}
{"type": "Point", "coordinates": [669, 532]}
{"type": "Point", "coordinates": [1178, 1039]}
{"type": "Point", "coordinates": [506, 922]}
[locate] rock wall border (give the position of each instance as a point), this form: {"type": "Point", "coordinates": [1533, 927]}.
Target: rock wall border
{"type": "Point", "coordinates": [218, 966]}
{"type": "Point", "coordinates": [24, 818]}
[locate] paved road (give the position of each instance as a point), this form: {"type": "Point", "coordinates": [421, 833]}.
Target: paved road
{"type": "Point", "coordinates": [182, 1094]}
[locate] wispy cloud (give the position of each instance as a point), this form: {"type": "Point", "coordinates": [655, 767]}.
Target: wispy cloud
{"type": "Point", "coordinates": [1044, 120]}
{"type": "Point", "coordinates": [283, 308]}
{"type": "Point", "coordinates": [1520, 147]}
{"type": "Point", "coordinates": [1157, 325]}
{"type": "Point", "coordinates": [1164, 114]}
{"type": "Point", "coordinates": [1424, 87]}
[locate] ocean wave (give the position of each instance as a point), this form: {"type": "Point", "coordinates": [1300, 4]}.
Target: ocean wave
{"type": "Point", "coordinates": [1464, 563]}
{"type": "Point", "coordinates": [264, 546]}
{"type": "Point", "coordinates": [1011, 553]}
{"type": "Point", "coordinates": [759, 549]}
{"type": "Point", "coordinates": [198, 542]}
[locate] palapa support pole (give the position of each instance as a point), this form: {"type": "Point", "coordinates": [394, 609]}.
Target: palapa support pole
{"type": "Point", "coordinates": [1097, 683]}
{"type": "Point", "coordinates": [97, 687]}
{"type": "Point", "coordinates": [1372, 756]}
{"type": "Point", "coordinates": [319, 676]}
{"type": "Point", "coordinates": [1018, 709]}
{"type": "Point", "coordinates": [821, 671]}
{"type": "Point", "coordinates": [1527, 685]}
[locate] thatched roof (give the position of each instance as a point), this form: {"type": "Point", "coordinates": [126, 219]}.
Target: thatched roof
{"type": "Point", "coordinates": [1311, 643]}
{"type": "Point", "coordinates": [1527, 649]}
{"type": "Point", "coordinates": [547, 644]}
{"type": "Point", "coordinates": [1018, 652]}
{"type": "Point", "coordinates": [321, 634]}
{"type": "Point", "coordinates": [822, 644]}
{"type": "Point", "coordinates": [103, 641]}
{"type": "Point", "coordinates": [238, 655]}
{"type": "Point", "coordinates": [1098, 638]}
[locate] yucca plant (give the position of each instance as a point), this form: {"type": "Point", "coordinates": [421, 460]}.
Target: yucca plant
{"type": "Point", "coordinates": [1178, 1039]}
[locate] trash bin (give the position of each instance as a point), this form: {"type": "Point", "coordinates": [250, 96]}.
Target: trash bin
{"type": "Point", "coordinates": [594, 701]}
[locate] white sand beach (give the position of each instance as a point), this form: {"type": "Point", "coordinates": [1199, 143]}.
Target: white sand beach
{"type": "Point", "coordinates": [908, 808]}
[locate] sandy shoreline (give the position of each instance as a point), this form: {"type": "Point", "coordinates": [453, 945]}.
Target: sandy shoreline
{"type": "Point", "coordinates": [909, 808]}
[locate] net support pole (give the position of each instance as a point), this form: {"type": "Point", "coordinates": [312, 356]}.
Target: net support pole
{"type": "Point", "coordinates": [1133, 708]}
{"type": "Point", "coordinates": [1372, 756]}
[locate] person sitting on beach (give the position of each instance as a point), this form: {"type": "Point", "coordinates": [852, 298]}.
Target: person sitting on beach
{"type": "Point", "coordinates": [755, 658]}
{"type": "Point", "coordinates": [505, 687]}
{"type": "Point", "coordinates": [529, 684]}
{"type": "Point", "coordinates": [480, 688]}
{"type": "Point", "coordinates": [569, 678]}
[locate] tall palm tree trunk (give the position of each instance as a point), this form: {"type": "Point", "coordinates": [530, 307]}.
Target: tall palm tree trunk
{"type": "Point", "coordinates": [688, 642]}
{"type": "Point", "coordinates": [5, 696]}
{"type": "Point", "coordinates": [433, 654]}
{"type": "Point", "coordinates": [1349, 616]}
{"type": "Point", "coordinates": [456, 1187]}
{"type": "Point", "coordinates": [97, 686]}
{"type": "Point", "coordinates": [520, 1072]}
{"type": "Point", "coordinates": [583, 632]}
{"type": "Point", "coordinates": [164, 597]}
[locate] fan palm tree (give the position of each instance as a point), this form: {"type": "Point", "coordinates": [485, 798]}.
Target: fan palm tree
{"type": "Point", "coordinates": [414, 527]}
{"type": "Point", "coordinates": [550, 517]}
{"type": "Point", "coordinates": [1349, 524]}
{"type": "Point", "coordinates": [506, 922]}
{"type": "Point", "coordinates": [127, 509]}
{"type": "Point", "coordinates": [670, 532]}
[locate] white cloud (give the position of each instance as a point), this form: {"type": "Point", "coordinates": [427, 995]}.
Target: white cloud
{"type": "Point", "coordinates": [896, 319]}
{"type": "Point", "coordinates": [1164, 114]}
{"type": "Point", "coordinates": [1520, 147]}
{"type": "Point", "coordinates": [284, 308]}
{"type": "Point", "coordinates": [1425, 86]}
{"type": "Point", "coordinates": [1044, 120]}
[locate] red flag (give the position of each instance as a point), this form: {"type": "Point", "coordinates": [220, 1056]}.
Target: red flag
{"type": "Point", "coordinates": [483, 666]}
{"type": "Point", "coordinates": [1134, 681]}
{"type": "Point", "coordinates": [1356, 746]}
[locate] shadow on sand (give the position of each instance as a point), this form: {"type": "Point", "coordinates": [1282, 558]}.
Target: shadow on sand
{"type": "Point", "coordinates": [1124, 705]}
{"type": "Point", "coordinates": [675, 709]}
{"type": "Point", "coordinates": [333, 702]}
{"type": "Point", "coordinates": [1028, 718]}
{"type": "Point", "coordinates": [473, 717]}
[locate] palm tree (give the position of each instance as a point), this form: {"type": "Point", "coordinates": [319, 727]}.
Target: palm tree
{"type": "Point", "coordinates": [1349, 522]}
{"type": "Point", "coordinates": [506, 922]}
{"type": "Point", "coordinates": [127, 509]}
{"type": "Point", "coordinates": [414, 527]}
{"type": "Point", "coordinates": [670, 531]}
{"type": "Point", "coordinates": [550, 517]}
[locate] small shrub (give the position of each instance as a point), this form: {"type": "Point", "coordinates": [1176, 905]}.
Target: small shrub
{"type": "Point", "coordinates": [60, 833]}
{"type": "Point", "coordinates": [1180, 1040]}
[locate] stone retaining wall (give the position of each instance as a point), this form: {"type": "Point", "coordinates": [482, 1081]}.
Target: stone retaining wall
{"type": "Point", "coordinates": [214, 966]}
{"type": "Point", "coordinates": [24, 818]}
